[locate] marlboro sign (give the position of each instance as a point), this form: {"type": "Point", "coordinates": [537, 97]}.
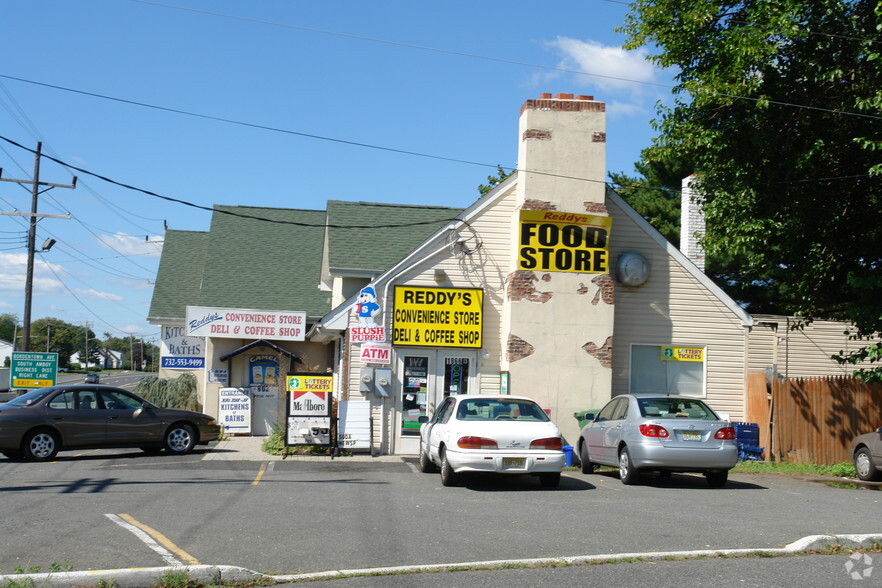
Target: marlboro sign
{"type": "Point", "coordinates": [310, 394]}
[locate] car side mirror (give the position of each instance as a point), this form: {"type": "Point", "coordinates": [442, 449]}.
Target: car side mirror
{"type": "Point", "coordinates": [423, 419]}
{"type": "Point", "coordinates": [589, 416]}
{"type": "Point", "coordinates": [879, 430]}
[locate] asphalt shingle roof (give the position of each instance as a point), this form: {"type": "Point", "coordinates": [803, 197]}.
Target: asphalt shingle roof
{"type": "Point", "coordinates": [265, 265]}
{"type": "Point", "coordinates": [179, 273]}
{"type": "Point", "coordinates": [255, 264]}
{"type": "Point", "coordinates": [377, 249]}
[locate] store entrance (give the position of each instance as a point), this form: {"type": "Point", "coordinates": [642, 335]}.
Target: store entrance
{"type": "Point", "coordinates": [426, 377]}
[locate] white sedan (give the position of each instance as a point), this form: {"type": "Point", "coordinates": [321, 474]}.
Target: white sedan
{"type": "Point", "coordinates": [483, 433]}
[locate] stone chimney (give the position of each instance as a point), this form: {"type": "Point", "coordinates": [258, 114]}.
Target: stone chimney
{"type": "Point", "coordinates": [692, 225]}
{"type": "Point", "coordinates": [556, 313]}
{"type": "Point", "coordinates": [563, 138]}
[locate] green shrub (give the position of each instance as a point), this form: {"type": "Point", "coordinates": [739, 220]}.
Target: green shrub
{"type": "Point", "coordinates": [180, 392]}
{"type": "Point", "coordinates": [274, 444]}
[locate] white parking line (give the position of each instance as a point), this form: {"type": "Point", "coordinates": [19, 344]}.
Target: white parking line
{"type": "Point", "coordinates": [141, 534]}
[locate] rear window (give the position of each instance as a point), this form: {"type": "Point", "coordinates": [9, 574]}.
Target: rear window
{"type": "Point", "coordinates": [676, 408]}
{"type": "Point", "coordinates": [496, 410]}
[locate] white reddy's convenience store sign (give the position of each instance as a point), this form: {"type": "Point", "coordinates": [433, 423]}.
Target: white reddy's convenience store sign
{"type": "Point", "coordinates": [556, 241]}
{"type": "Point", "coordinates": [438, 317]}
{"type": "Point", "coordinates": [234, 323]}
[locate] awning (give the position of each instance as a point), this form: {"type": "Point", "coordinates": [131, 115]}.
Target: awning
{"type": "Point", "coordinates": [261, 343]}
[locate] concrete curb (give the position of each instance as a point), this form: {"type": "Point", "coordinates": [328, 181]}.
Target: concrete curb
{"type": "Point", "coordinates": [149, 577]}
{"type": "Point", "coordinates": [133, 577]}
{"type": "Point", "coordinates": [810, 543]}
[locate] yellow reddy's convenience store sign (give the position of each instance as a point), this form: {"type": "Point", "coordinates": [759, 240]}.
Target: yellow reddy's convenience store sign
{"type": "Point", "coordinates": [556, 241]}
{"type": "Point", "coordinates": [669, 353]}
{"type": "Point", "coordinates": [438, 317]}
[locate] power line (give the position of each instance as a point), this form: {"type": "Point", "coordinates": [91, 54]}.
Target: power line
{"type": "Point", "coordinates": [334, 226]}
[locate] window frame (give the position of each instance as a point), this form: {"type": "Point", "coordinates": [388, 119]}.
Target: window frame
{"type": "Point", "coordinates": [670, 379]}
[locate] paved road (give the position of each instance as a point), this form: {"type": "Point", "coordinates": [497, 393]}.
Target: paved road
{"type": "Point", "coordinates": [299, 516]}
{"type": "Point", "coordinates": [125, 380]}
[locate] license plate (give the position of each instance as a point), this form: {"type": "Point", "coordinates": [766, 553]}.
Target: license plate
{"type": "Point", "coordinates": [691, 436]}
{"type": "Point", "coordinates": [514, 463]}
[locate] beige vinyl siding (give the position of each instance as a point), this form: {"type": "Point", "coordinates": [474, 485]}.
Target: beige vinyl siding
{"type": "Point", "coordinates": [763, 345]}
{"type": "Point", "coordinates": [674, 307]}
{"type": "Point", "coordinates": [804, 352]}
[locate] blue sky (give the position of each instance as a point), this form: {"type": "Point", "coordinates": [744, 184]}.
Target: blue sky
{"type": "Point", "coordinates": [443, 79]}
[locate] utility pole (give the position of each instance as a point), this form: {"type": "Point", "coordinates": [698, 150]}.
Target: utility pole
{"type": "Point", "coordinates": [85, 361]}
{"type": "Point", "coordinates": [32, 236]}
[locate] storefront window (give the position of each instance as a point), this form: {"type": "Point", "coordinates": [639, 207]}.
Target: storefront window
{"type": "Point", "coordinates": [661, 369]}
{"type": "Point", "coordinates": [456, 376]}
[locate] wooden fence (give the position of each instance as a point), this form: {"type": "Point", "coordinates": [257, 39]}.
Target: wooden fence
{"type": "Point", "coordinates": [812, 419]}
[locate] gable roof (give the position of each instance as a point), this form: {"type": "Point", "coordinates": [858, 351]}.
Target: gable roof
{"type": "Point", "coordinates": [335, 320]}
{"type": "Point", "coordinates": [685, 262]}
{"type": "Point", "coordinates": [377, 247]}
{"type": "Point", "coordinates": [433, 243]}
{"type": "Point", "coordinates": [276, 264]}
{"type": "Point", "coordinates": [179, 274]}
{"type": "Point", "coordinates": [271, 264]}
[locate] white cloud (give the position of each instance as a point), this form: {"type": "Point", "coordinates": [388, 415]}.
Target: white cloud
{"type": "Point", "coordinates": [13, 272]}
{"type": "Point", "coordinates": [150, 245]}
{"type": "Point", "coordinates": [92, 293]}
{"type": "Point", "coordinates": [613, 68]}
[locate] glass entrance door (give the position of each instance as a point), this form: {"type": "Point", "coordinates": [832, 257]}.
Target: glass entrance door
{"type": "Point", "coordinates": [427, 377]}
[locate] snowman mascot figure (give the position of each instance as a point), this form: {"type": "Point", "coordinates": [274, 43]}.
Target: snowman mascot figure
{"type": "Point", "coordinates": [366, 307]}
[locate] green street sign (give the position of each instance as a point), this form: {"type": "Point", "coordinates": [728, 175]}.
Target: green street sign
{"type": "Point", "coordinates": [33, 369]}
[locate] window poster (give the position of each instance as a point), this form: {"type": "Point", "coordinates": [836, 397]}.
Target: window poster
{"type": "Point", "coordinates": [414, 393]}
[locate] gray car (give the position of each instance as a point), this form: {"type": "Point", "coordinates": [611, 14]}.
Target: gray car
{"type": "Point", "coordinates": [866, 451]}
{"type": "Point", "coordinates": [658, 433]}
{"type": "Point", "coordinates": [42, 422]}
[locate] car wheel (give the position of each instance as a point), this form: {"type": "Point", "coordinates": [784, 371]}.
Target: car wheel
{"type": "Point", "coordinates": [864, 466]}
{"type": "Point", "coordinates": [628, 474]}
{"type": "Point", "coordinates": [426, 465]}
{"type": "Point", "coordinates": [550, 479]}
{"type": "Point", "coordinates": [717, 479]}
{"type": "Point", "coordinates": [180, 439]}
{"type": "Point", "coordinates": [587, 466]}
{"type": "Point", "coordinates": [448, 476]}
{"type": "Point", "coordinates": [40, 445]}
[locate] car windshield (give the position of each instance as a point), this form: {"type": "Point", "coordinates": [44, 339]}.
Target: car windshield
{"type": "Point", "coordinates": [32, 397]}
{"type": "Point", "coordinates": [489, 409]}
{"type": "Point", "coordinates": [673, 408]}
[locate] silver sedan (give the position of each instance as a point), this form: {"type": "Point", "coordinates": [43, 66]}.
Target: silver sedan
{"type": "Point", "coordinates": [658, 433]}
{"type": "Point", "coordinates": [866, 451]}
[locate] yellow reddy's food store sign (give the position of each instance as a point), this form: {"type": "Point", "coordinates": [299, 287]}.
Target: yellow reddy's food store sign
{"type": "Point", "coordinates": [555, 241]}
{"type": "Point", "coordinates": [669, 353]}
{"type": "Point", "coordinates": [438, 317]}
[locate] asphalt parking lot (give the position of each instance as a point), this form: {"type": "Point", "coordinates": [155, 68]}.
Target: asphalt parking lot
{"type": "Point", "coordinates": [306, 515]}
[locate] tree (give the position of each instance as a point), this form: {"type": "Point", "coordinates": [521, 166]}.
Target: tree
{"type": "Point", "coordinates": [8, 327]}
{"type": "Point", "coordinates": [493, 181]}
{"type": "Point", "coordinates": [656, 194]}
{"type": "Point", "coordinates": [777, 109]}
{"type": "Point", "coordinates": [57, 336]}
